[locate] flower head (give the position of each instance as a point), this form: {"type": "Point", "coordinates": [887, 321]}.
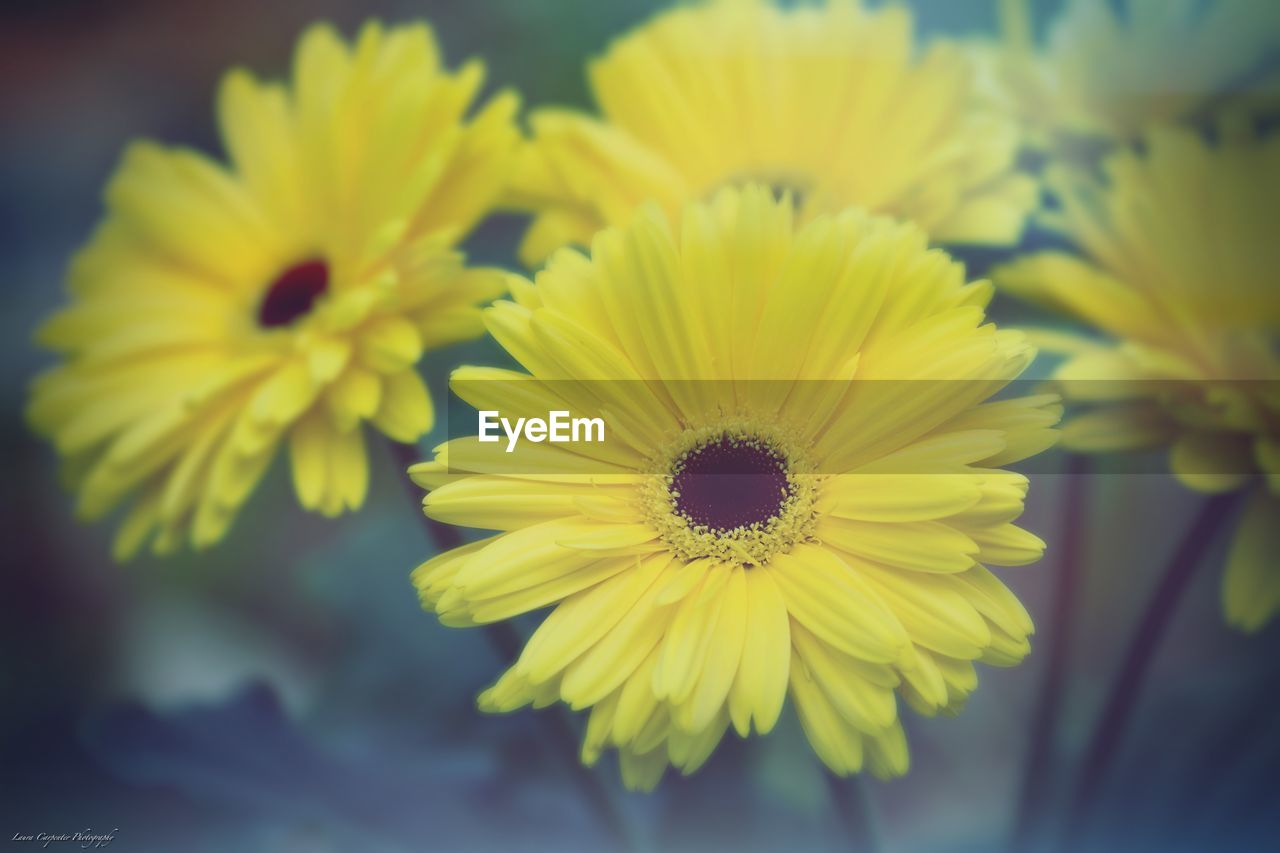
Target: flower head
{"type": "Point", "coordinates": [221, 311]}
{"type": "Point", "coordinates": [1110, 71]}
{"type": "Point", "coordinates": [803, 492]}
{"type": "Point", "coordinates": [829, 103]}
{"type": "Point", "coordinates": [1178, 274]}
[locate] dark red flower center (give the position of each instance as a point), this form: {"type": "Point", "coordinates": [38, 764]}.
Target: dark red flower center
{"type": "Point", "coordinates": [293, 293]}
{"type": "Point", "coordinates": [730, 483]}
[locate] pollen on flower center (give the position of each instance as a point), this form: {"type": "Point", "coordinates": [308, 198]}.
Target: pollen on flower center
{"type": "Point", "coordinates": [293, 293]}
{"type": "Point", "coordinates": [738, 492]}
{"type": "Point", "coordinates": [730, 483]}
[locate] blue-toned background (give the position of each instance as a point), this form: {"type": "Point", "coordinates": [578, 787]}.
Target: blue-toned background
{"type": "Point", "coordinates": [284, 692]}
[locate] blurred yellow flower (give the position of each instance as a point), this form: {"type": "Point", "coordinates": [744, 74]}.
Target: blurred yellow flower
{"type": "Point", "coordinates": [1179, 274]}
{"type": "Point", "coordinates": [804, 495]}
{"type": "Point", "coordinates": [218, 312]}
{"type": "Point", "coordinates": [828, 102]}
{"type": "Point", "coordinates": [1107, 73]}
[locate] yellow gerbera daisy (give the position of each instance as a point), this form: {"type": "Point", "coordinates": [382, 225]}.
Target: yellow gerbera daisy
{"type": "Point", "coordinates": [829, 102]}
{"type": "Point", "coordinates": [1107, 73]}
{"type": "Point", "coordinates": [1179, 273]}
{"type": "Point", "coordinates": [220, 311]}
{"type": "Point", "coordinates": [802, 492]}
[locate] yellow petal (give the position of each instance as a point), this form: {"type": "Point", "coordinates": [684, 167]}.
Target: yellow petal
{"type": "Point", "coordinates": [923, 546]}
{"type": "Point", "coordinates": [1128, 427]}
{"type": "Point", "coordinates": [636, 702]}
{"type": "Point", "coordinates": [580, 621]}
{"type": "Point", "coordinates": [354, 396]}
{"type": "Point", "coordinates": [1008, 545]}
{"type": "Point", "coordinates": [1212, 462]}
{"type": "Point", "coordinates": [285, 395]}
{"type": "Point", "coordinates": [685, 646]}
{"type": "Point", "coordinates": [899, 497]}
{"type": "Point", "coordinates": [832, 601]}
{"type": "Point", "coordinates": [887, 755]}
{"type": "Point", "coordinates": [405, 411]}
{"type": "Point", "coordinates": [1251, 584]}
{"type": "Point", "coordinates": [760, 689]}
{"type": "Point", "coordinates": [609, 662]}
{"type": "Point", "coordinates": [836, 743]}
{"type": "Point", "coordinates": [933, 613]}
{"type": "Point", "coordinates": [308, 444]}
{"type": "Point", "coordinates": [327, 357]}
{"type": "Point", "coordinates": [723, 656]}
{"type": "Point", "coordinates": [390, 345]}
{"type": "Point", "coordinates": [867, 706]}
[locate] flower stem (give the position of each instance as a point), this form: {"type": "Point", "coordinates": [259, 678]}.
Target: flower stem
{"type": "Point", "coordinates": [1127, 686]}
{"type": "Point", "coordinates": [1062, 618]}
{"type": "Point", "coordinates": [507, 643]}
{"type": "Point", "coordinates": [852, 803]}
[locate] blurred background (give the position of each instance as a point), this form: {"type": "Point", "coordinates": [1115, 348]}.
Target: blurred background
{"type": "Point", "coordinates": [284, 692]}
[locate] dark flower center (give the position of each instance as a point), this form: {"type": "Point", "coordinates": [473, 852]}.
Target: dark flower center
{"type": "Point", "coordinates": [780, 189]}
{"type": "Point", "coordinates": [779, 183]}
{"type": "Point", "coordinates": [730, 483]}
{"type": "Point", "coordinates": [293, 293]}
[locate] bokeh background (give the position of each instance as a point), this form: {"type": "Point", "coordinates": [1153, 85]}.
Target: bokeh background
{"type": "Point", "coordinates": [284, 692]}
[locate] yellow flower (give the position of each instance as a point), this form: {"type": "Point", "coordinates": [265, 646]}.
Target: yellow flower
{"type": "Point", "coordinates": [1178, 273]}
{"type": "Point", "coordinates": [218, 312]}
{"type": "Point", "coordinates": [830, 103]}
{"type": "Point", "coordinates": [843, 557]}
{"type": "Point", "coordinates": [1107, 73]}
